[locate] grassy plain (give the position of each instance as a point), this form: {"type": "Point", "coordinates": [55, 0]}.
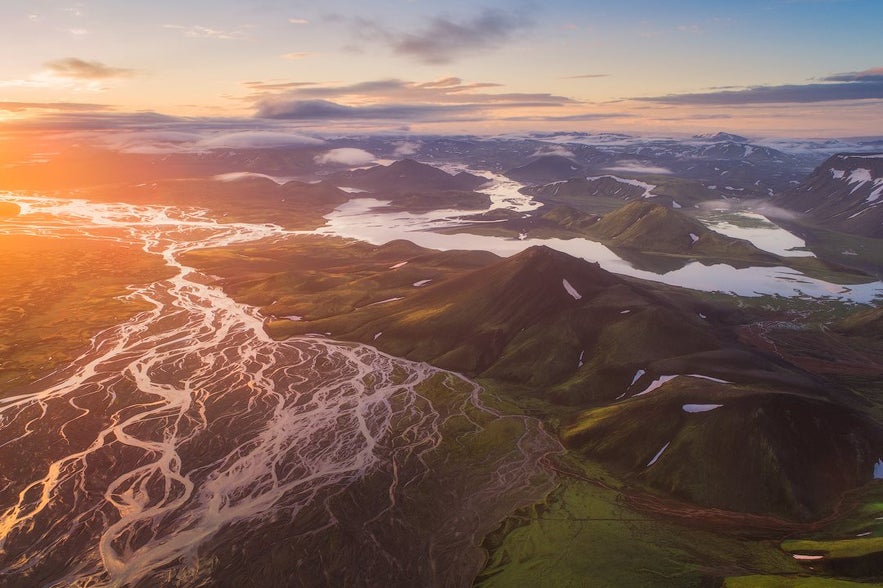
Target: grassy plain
{"type": "Point", "coordinates": [57, 294]}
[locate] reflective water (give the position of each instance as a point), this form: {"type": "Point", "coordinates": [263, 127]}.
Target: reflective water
{"type": "Point", "coordinates": [758, 229]}
{"type": "Point", "coordinates": [368, 220]}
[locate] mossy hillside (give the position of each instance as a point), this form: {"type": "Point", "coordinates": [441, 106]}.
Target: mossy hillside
{"type": "Point", "coordinates": [648, 226]}
{"type": "Point", "coordinates": [319, 277]}
{"type": "Point", "coordinates": [789, 581]}
{"type": "Point", "coordinates": [569, 218]}
{"type": "Point", "coordinates": [611, 342]}
{"type": "Point", "coordinates": [511, 320]}
{"type": "Point", "coordinates": [516, 321]}
{"type": "Point", "coordinates": [841, 345]}
{"type": "Point", "coordinates": [789, 454]}
{"type": "Point", "coordinates": [599, 195]}
{"type": "Point", "coordinates": [851, 545]}
{"type": "Point", "coordinates": [585, 533]}
{"type": "Point", "coordinates": [465, 323]}
{"type": "Point", "coordinates": [866, 323]}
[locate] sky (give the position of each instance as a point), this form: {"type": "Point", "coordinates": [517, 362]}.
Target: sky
{"type": "Point", "coordinates": [796, 68]}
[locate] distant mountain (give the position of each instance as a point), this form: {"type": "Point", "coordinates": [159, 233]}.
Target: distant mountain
{"type": "Point", "coordinates": [545, 169]}
{"type": "Point", "coordinates": [740, 151]}
{"type": "Point", "coordinates": [602, 186]}
{"type": "Point", "coordinates": [406, 175]}
{"type": "Point", "coordinates": [651, 227]}
{"type": "Point", "coordinates": [721, 137]}
{"type": "Point", "coordinates": [597, 194]}
{"type": "Point", "coordinates": [569, 218]}
{"type": "Point", "coordinates": [845, 193]}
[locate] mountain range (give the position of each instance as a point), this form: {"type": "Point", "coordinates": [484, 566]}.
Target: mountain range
{"type": "Point", "coordinates": [844, 193]}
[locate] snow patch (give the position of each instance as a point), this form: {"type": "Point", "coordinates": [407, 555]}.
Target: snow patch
{"type": "Point", "coordinates": [293, 317]}
{"type": "Point", "coordinates": [859, 176]}
{"type": "Point", "coordinates": [803, 557]}
{"type": "Point", "coordinates": [878, 470]}
{"type": "Point", "coordinates": [663, 379]}
{"type": "Point", "coordinates": [694, 237]}
{"type": "Point", "coordinates": [638, 375]}
{"type": "Point", "coordinates": [571, 290]}
{"type": "Point", "coordinates": [674, 204]}
{"type": "Point", "coordinates": [387, 300]}
{"type": "Point", "coordinates": [878, 191]}
{"type": "Point", "coordinates": [648, 188]}
{"type": "Point", "coordinates": [580, 362]}
{"type": "Point", "coordinates": [377, 335]}
{"type": "Point", "coordinates": [624, 311]}
{"type": "Point", "coordinates": [656, 384]}
{"type": "Point", "coordinates": [656, 457]}
{"type": "Point", "coordinates": [420, 283]}
{"type": "Point", "coordinates": [398, 265]}
{"type": "Point", "coordinates": [838, 174]}
{"type": "Point", "coordinates": [700, 407]}
{"type": "Point", "coordinates": [701, 377]}
{"type": "Point", "coordinates": [236, 176]}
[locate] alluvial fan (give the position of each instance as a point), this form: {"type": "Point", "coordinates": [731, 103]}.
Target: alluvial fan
{"type": "Point", "coordinates": [186, 447]}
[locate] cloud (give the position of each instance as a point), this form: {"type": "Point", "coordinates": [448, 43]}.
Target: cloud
{"type": "Point", "coordinates": [579, 117]}
{"type": "Point", "coordinates": [187, 140]}
{"type": "Point", "coordinates": [78, 69]}
{"type": "Point", "coordinates": [70, 73]}
{"type": "Point", "coordinates": [275, 86]}
{"type": "Point", "coordinates": [863, 85]}
{"type": "Point", "coordinates": [390, 99]}
{"type": "Point", "coordinates": [53, 106]}
{"type": "Point", "coordinates": [406, 148]}
{"type": "Point", "coordinates": [348, 156]}
{"type": "Point", "coordinates": [294, 56]}
{"type": "Point", "coordinates": [298, 21]}
{"type": "Point", "coordinates": [636, 167]}
{"type": "Point", "coordinates": [690, 28]}
{"type": "Point", "coordinates": [313, 110]}
{"type": "Point", "coordinates": [151, 141]}
{"type": "Point", "coordinates": [585, 76]}
{"type": "Point", "coordinates": [450, 90]}
{"type": "Point", "coordinates": [553, 150]}
{"type": "Point", "coordinates": [444, 40]}
{"type": "Point", "coordinates": [868, 75]}
{"type": "Point", "coordinates": [257, 140]}
{"type": "Point", "coordinates": [202, 32]}
{"type": "Point", "coordinates": [95, 121]}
